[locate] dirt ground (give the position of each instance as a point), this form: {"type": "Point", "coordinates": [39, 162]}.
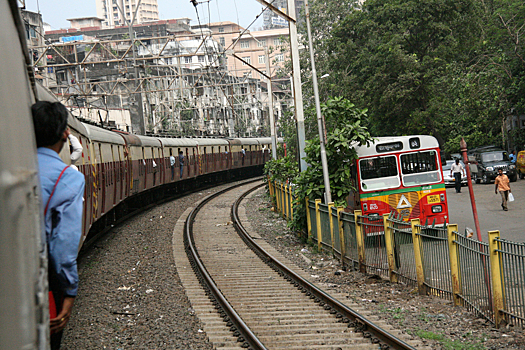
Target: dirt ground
{"type": "Point", "coordinates": [433, 319]}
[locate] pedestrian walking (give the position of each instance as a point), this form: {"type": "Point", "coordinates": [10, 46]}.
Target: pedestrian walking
{"type": "Point", "coordinates": [62, 189]}
{"type": "Point", "coordinates": [456, 170]}
{"type": "Point", "coordinates": [502, 185]}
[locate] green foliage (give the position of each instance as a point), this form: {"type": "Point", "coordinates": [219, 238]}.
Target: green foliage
{"type": "Point", "coordinates": [284, 170]}
{"type": "Point", "coordinates": [344, 123]}
{"type": "Point", "coordinates": [448, 68]}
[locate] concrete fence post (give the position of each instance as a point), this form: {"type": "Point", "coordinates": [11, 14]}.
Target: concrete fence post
{"type": "Point", "coordinates": [318, 223]}
{"type": "Point", "coordinates": [286, 203]}
{"type": "Point", "coordinates": [282, 201]}
{"type": "Point", "coordinates": [360, 238]}
{"type": "Point", "coordinates": [330, 207]}
{"type": "Point", "coordinates": [454, 267]}
{"type": "Point", "coordinates": [389, 243]}
{"type": "Point", "coordinates": [341, 231]}
{"type": "Point", "coordinates": [420, 272]}
{"type": "Point", "coordinates": [498, 295]}
{"type": "Point", "coordinates": [308, 219]}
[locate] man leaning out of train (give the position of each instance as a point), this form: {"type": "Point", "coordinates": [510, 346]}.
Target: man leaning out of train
{"type": "Point", "coordinates": [62, 188]}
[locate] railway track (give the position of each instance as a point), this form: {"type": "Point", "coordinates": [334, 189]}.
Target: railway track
{"type": "Point", "coordinates": [247, 298]}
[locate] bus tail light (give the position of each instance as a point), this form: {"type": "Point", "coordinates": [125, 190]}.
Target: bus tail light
{"type": "Point", "coordinates": [365, 206]}
{"type": "Point", "coordinates": [442, 197]}
{"type": "Point", "coordinates": [437, 209]}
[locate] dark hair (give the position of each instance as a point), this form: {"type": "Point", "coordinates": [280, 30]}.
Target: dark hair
{"type": "Point", "coordinates": [49, 121]}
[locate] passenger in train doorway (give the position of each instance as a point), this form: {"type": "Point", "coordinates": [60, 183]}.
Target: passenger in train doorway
{"type": "Point", "coordinates": [62, 188]}
{"type": "Point", "coordinates": [243, 155]}
{"type": "Point", "coordinates": [75, 150]}
{"type": "Point", "coordinates": [172, 165]}
{"type": "Point", "coordinates": [181, 163]}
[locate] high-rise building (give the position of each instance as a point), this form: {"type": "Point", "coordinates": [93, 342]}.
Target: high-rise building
{"type": "Point", "coordinates": [274, 21]}
{"type": "Point", "coordinates": [112, 16]}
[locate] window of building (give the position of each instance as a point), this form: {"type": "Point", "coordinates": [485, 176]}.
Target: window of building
{"type": "Point", "coordinates": [221, 29]}
{"type": "Point", "coordinates": [261, 43]}
{"type": "Point", "coordinates": [276, 42]}
{"type": "Point", "coordinates": [261, 59]}
{"type": "Point", "coordinates": [247, 60]}
{"type": "Point", "coordinates": [187, 59]}
{"type": "Point", "coordinates": [201, 59]}
{"type": "Point", "coordinates": [222, 41]}
{"type": "Point", "coordinates": [245, 44]}
{"type": "Point", "coordinates": [279, 57]}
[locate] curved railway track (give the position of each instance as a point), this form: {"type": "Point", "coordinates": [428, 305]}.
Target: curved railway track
{"type": "Point", "coordinates": [249, 299]}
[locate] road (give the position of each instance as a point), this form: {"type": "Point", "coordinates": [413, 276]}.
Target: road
{"type": "Point", "coordinates": [491, 216]}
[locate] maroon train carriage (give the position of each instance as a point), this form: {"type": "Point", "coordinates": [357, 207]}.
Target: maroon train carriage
{"type": "Point", "coordinates": [171, 147]}
{"type": "Point", "coordinates": [212, 155]}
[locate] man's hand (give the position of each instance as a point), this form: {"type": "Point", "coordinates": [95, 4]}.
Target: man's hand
{"type": "Point", "coordinates": [57, 324]}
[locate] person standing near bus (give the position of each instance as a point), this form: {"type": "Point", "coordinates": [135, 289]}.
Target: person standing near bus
{"type": "Point", "coordinates": [62, 189]}
{"type": "Point", "coordinates": [456, 170]}
{"type": "Point", "coordinates": [502, 185]}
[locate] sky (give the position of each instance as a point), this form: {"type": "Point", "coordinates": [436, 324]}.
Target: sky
{"type": "Point", "coordinates": [56, 12]}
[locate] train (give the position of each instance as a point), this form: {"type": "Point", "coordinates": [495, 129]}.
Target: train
{"type": "Point", "coordinates": [123, 172]}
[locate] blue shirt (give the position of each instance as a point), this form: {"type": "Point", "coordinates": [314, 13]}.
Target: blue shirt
{"type": "Point", "coordinates": [512, 158]}
{"type": "Point", "coordinates": [63, 220]}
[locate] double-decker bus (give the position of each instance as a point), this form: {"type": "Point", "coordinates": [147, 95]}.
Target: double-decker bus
{"type": "Point", "coordinates": [402, 175]}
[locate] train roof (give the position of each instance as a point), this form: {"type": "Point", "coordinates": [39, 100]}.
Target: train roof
{"type": "Point", "coordinates": [244, 141]}
{"type": "Point", "coordinates": [390, 144]}
{"type": "Point", "coordinates": [149, 141]}
{"type": "Point", "coordinates": [178, 142]}
{"type": "Point", "coordinates": [94, 133]}
{"type": "Point", "coordinates": [211, 142]}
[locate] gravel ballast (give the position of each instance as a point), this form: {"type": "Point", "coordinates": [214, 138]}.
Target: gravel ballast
{"type": "Point", "coordinates": [130, 296]}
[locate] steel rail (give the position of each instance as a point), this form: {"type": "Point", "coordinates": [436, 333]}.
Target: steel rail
{"type": "Point", "coordinates": [369, 329]}
{"type": "Point", "coordinates": [245, 335]}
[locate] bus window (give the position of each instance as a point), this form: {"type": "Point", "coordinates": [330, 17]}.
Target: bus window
{"type": "Point", "coordinates": [379, 173]}
{"type": "Point", "coordinates": [420, 168]}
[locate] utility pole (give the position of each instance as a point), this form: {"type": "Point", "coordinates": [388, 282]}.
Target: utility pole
{"type": "Point", "coordinates": [270, 105]}
{"type": "Point", "coordinates": [296, 73]}
{"type": "Point", "coordinates": [298, 93]}
{"type": "Point", "coordinates": [142, 124]}
{"type": "Point", "coordinates": [320, 123]}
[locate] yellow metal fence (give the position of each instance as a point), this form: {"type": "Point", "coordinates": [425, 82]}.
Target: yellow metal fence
{"type": "Point", "coordinates": [486, 278]}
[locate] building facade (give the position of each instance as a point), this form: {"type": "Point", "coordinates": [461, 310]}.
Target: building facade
{"type": "Point", "coordinates": [109, 12]}
{"type": "Point", "coordinates": [250, 48]}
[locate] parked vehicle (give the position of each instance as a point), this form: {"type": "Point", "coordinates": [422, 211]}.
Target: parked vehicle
{"type": "Point", "coordinates": [485, 162]}
{"type": "Point", "coordinates": [449, 179]}
{"type": "Point", "coordinates": [400, 175]}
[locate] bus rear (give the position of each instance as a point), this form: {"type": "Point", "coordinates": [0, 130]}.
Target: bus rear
{"type": "Point", "coordinates": [402, 175]}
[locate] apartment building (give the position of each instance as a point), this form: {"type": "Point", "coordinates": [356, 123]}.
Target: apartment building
{"type": "Point", "coordinates": [109, 11]}
{"type": "Point", "coordinates": [250, 48]}
{"type": "Point", "coordinates": [272, 21]}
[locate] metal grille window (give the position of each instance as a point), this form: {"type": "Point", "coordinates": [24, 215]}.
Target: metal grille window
{"type": "Point", "coordinates": [261, 59]}
{"type": "Point", "coordinates": [261, 43]}
{"type": "Point", "coordinates": [245, 44]}
{"type": "Point", "coordinates": [222, 41]}
{"type": "Point", "coordinates": [247, 60]}
{"type": "Point", "coordinates": [420, 168]}
{"type": "Point", "coordinates": [378, 173]}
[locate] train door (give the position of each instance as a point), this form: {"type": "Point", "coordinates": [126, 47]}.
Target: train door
{"type": "Point", "coordinates": [114, 180]}
{"type": "Point", "coordinates": [145, 169]}
{"type": "Point", "coordinates": [101, 181]}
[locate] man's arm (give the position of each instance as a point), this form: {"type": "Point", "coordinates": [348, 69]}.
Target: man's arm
{"type": "Point", "coordinates": [496, 186]}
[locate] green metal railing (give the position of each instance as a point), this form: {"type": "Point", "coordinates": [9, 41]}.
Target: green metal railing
{"type": "Point", "coordinates": [488, 279]}
{"type": "Point", "coordinates": [512, 267]}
